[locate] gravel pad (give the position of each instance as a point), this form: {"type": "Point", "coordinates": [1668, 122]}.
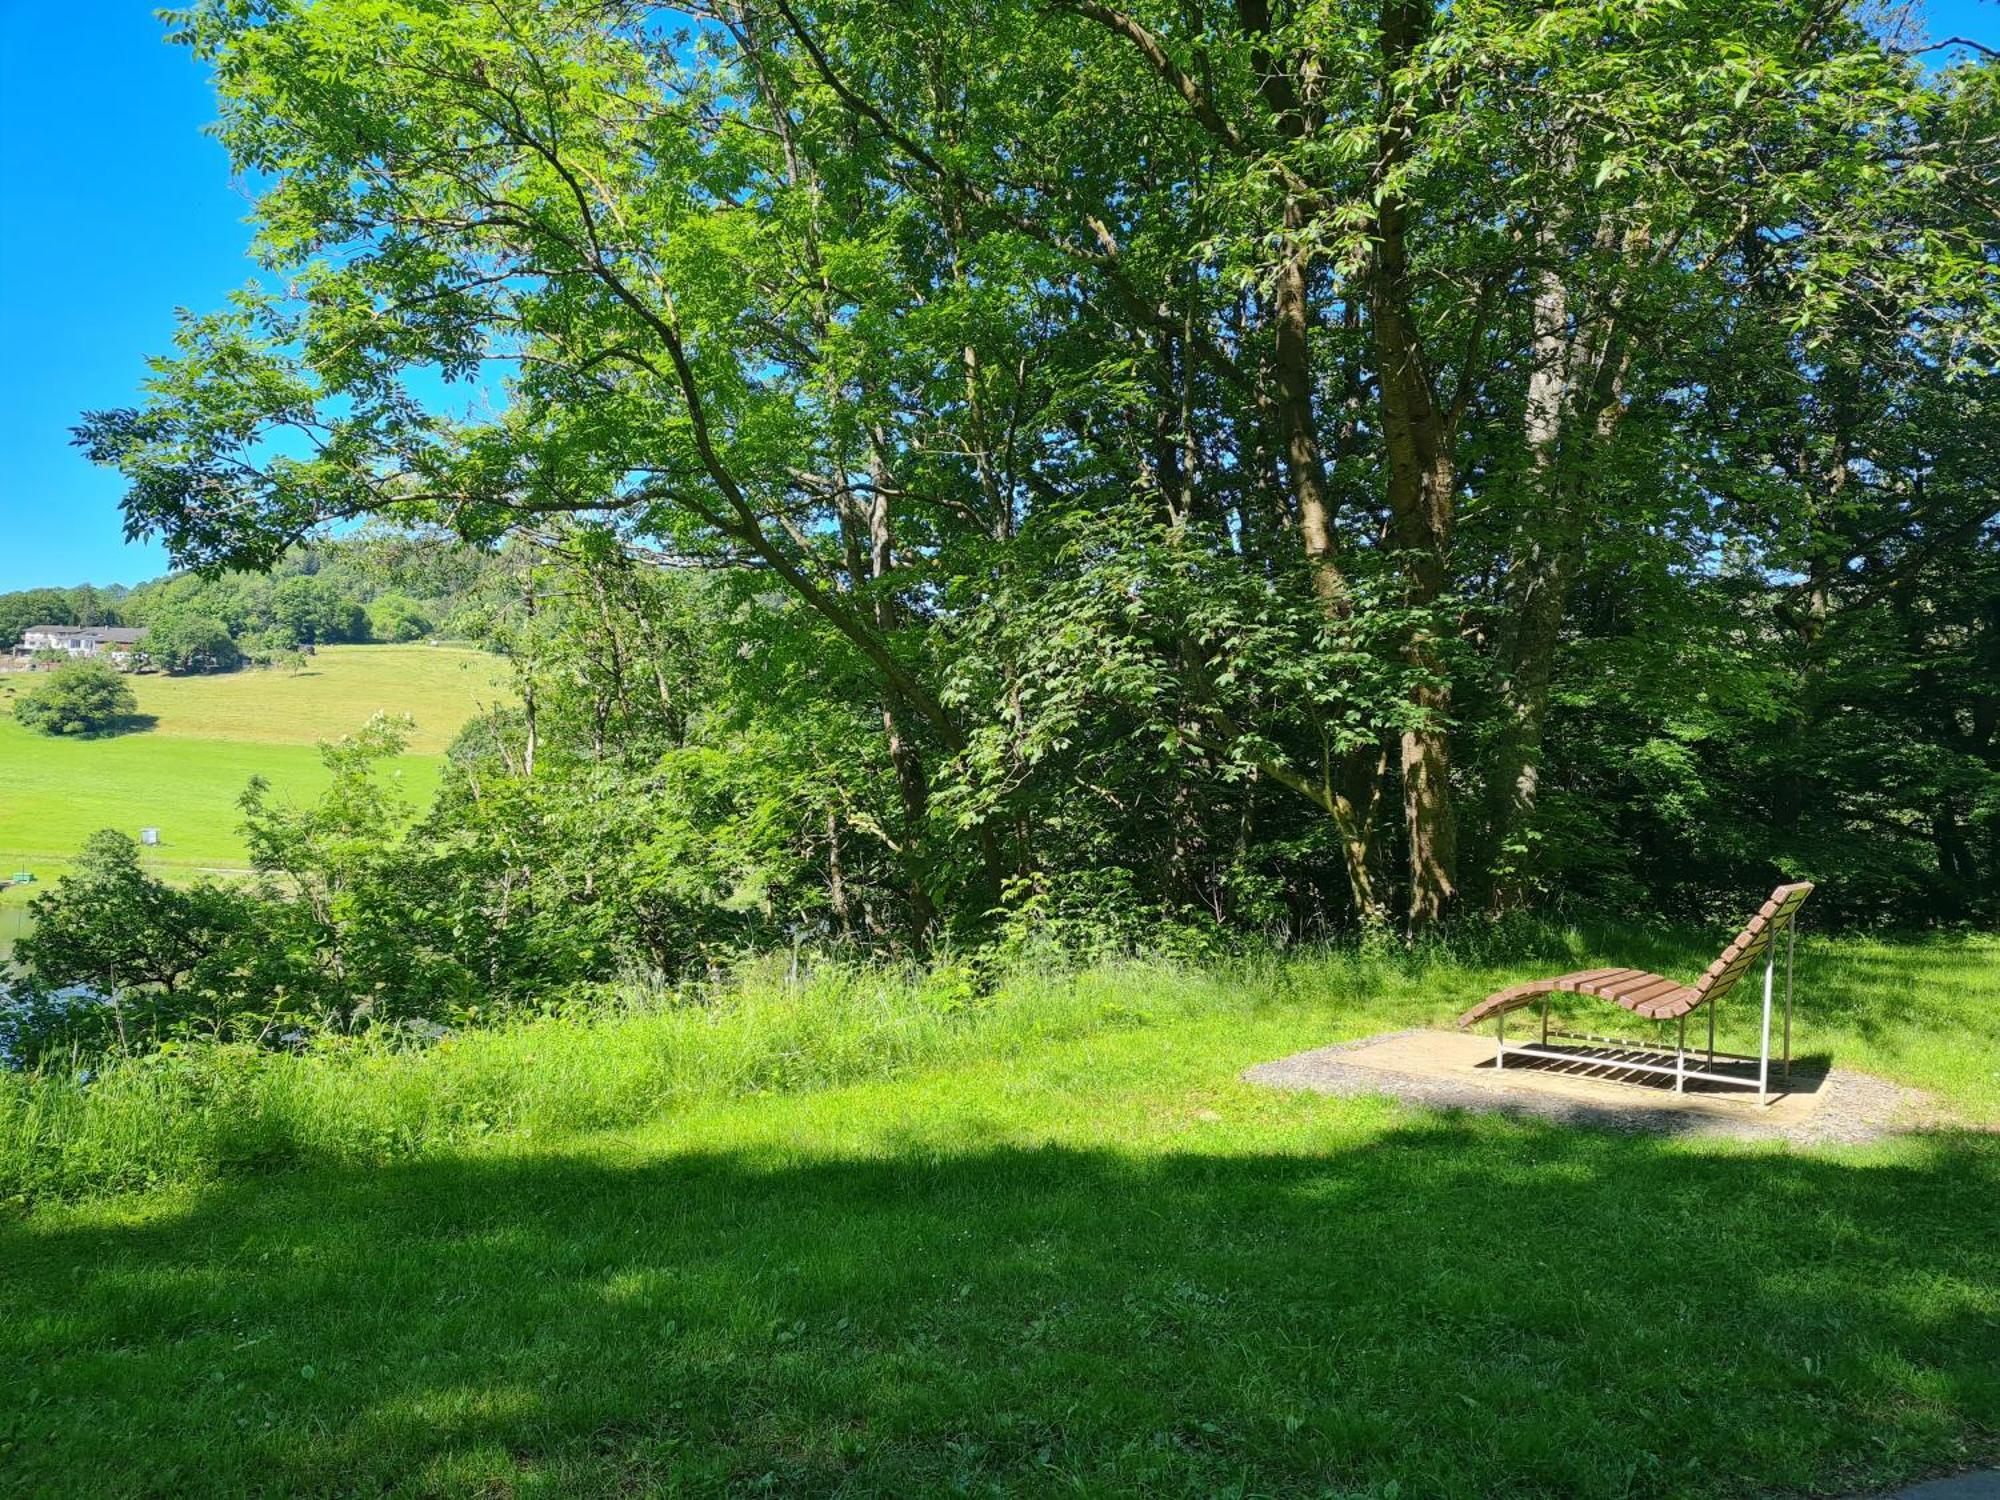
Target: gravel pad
{"type": "Point", "coordinates": [1848, 1108]}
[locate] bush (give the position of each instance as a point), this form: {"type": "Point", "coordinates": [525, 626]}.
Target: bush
{"type": "Point", "coordinates": [398, 617]}
{"type": "Point", "coordinates": [79, 697]}
{"type": "Point", "coordinates": [192, 643]}
{"type": "Point", "coordinates": [119, 961]}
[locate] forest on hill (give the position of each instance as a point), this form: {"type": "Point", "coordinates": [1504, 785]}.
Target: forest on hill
{"type": "Point", "coordinates": [1213, 475]}
{"type": "Point", "coordinates": [373, 586]}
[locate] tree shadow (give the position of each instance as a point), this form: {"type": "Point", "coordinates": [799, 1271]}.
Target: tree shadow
{"type": "Point", "coordinates": [1450, 1307]}
{"type": "Point", "coordinates": [116, 728]}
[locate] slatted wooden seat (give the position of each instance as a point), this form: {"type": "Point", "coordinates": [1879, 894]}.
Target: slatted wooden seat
{"type": "Point", "coordinates": [1650, 995]}
{"type": "Point", "coordinates": [1657, 998]}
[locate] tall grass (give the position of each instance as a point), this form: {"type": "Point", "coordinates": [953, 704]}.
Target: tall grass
{"type": "Point", "coordinates": [201, 1113]}
{"type": "Point", "coordinates": [1929, 1012]}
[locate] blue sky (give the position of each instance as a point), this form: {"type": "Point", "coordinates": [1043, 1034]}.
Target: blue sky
{"type": "Point", "coordinates": [114, 210]}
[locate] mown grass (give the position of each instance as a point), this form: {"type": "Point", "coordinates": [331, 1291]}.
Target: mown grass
{"type": "Point", "coordinates": [208, 736]}
{"type": "Point", "coordinates": [55, 793]}
{"type": "Point", "coordinates": [439, 687]}
{"type": "Point", "coordinates": [855, 1238]}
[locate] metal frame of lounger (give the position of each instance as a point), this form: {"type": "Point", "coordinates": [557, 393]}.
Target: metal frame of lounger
{"type": "Point", "coordinates": [1680, 1072]}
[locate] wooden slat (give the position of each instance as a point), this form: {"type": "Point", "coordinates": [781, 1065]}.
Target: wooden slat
{"type": "Point", "coordinates": [1568, 983]}
{"type": "Point", "coordinates": [1636, 994]}
{"type": "Point", "coordinates": [1666, 1007]}
{"type": "Point", "coordinates": [1512, 998]}
{"type": "Point", "coordinates": [1597, 979]}
{"type": "Point", "coordinates": [1654, 996]}
{"type": "Point", "coordinates": [1735, 966]}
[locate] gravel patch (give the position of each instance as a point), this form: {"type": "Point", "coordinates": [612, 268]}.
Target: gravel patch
{"type": "Point", "coordinates": [1852, 1108]}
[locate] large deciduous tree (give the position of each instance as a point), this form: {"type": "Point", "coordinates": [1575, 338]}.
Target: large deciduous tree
{"type": "Point", "coordinates": [1153, 416]}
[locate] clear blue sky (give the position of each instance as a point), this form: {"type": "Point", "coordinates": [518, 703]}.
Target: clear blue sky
{"type": "Point", "coordinates": [114, 211]}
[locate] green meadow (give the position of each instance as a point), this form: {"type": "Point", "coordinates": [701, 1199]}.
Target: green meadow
{"type": "Point", "coordinates": [861, 1236]}
{"type": "Point", "coordinates": [204, 737]}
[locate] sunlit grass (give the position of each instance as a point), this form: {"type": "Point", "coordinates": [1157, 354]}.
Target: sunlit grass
{"type": "Point", "coordinates": [1923, 1013]}
{"type": "Point", "coordinates": [439, 687]}
{"type": "Point", "coordinates": [855, 1236]}
{"type": "Point", "coordinates": [208, 736]}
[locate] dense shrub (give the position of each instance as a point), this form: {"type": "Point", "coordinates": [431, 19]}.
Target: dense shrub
{"type": "Point", "coordinates": [398, 617]}
{"type": "Point", "coordinates": [78, 697]}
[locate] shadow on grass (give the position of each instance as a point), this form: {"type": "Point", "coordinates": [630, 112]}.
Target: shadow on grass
{"type": "Point", "coordinates": [118, 728]}
{"type": "Point", "coordinates": [1460, 1307]}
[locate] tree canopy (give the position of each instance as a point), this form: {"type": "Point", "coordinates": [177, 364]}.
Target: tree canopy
{"type": "Point", "coordinates": [1305, 464]}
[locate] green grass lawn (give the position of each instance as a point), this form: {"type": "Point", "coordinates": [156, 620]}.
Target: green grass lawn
{"type": "Point", "coordinates": [440, 687]}
{"type": "Point", "coordinates": [847, 1242]}
{"type": "Point", "coordinates": [209, 736]}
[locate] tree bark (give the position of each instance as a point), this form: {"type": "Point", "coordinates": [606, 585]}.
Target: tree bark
{"type": "Point", "coordinates": [1423, 484]}
{"type": "Point", "coordinates": [1536, 580]}
{"type": "Point", "coordinates": [1575, 401]}
{"type": "Point", "coordinates": [1291, 367]}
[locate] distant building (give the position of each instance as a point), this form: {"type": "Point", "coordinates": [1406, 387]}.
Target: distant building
{"type": "Point", "coordinates": [80, 640]}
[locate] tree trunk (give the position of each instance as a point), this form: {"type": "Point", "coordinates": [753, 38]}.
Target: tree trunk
{"type": "Point", "coordinates": [837, 899]}
{"type": "Point", "coordinates": [1291, 368]}
{"type": "Point", "coordinates": [1357, 806]}
{"type": "Point", "coordinates": [1574, 406]}
{"type": "Point", "coordinates": [1537, 577]}
{"type": "Point", "coordinates": [1537, 580]}
{"type": "Point", "coordinates": [1423, 483]}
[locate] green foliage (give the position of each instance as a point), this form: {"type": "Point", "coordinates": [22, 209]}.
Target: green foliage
{"type": "Point", "coordinates": [77, 698]}
{"type": "Point", "coordinates": [397, 617]}
{"type": "Point", "coordinates": [327, 939]}
{"type": "Point", "coordinates": [1286, 469]}
{"type": "Point", "coordinates": [141, 961]}
{"type": "Point", "coordinates": [182, 641]}
{"type": "Point", "coordinates": [307, 612]}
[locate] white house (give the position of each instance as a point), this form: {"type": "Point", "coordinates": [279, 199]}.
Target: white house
{"type": "Point", "coordinates": [80, 640]}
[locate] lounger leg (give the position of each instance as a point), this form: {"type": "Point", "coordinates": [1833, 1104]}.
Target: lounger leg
{"type": "Point", "coordinates": [1680, 1058]}
{"type": "Point", "coordinates": [1545, 1020]}
{"type": "Point", "coordinates": [1764, 1046]}
{"type": "Point", "coordinates": [1500, 1040]}
{"type": "Point", "coordinates": [1711, 1035]}
{"type": "Point", "coordinates": [1791, 947]}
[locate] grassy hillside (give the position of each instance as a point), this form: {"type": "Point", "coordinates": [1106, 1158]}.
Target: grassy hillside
{"type": "Point", "coordinates": [844, 1241]}
{"type": "Point", "coordinates": [209, 736]}
{"type": "Point", "coordinates": [438, 686]}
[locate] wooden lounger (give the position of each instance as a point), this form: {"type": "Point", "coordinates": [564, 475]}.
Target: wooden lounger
{"type": "Point", "coordinates": [1656, 998]}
